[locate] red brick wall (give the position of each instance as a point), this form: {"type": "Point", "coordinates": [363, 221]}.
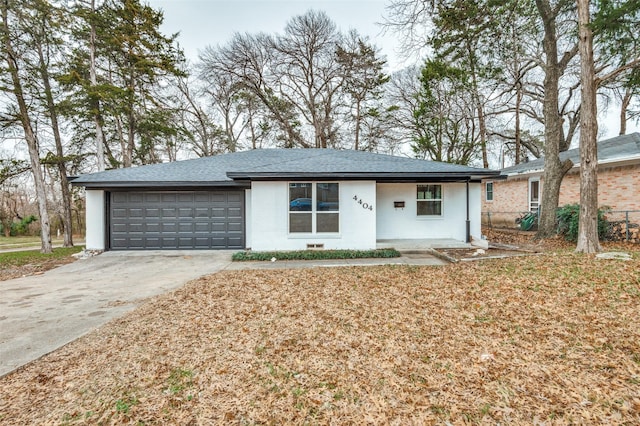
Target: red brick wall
{"type": "Point", "coordinates": [618, 188]}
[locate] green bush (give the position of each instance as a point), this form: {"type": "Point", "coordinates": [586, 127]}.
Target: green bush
{"type": "Point", "coordinates": [22, 227]}
{"type": "Point", "coordinates": [569, 221]}
{"type": "Point", "coordinates": [313, 254]}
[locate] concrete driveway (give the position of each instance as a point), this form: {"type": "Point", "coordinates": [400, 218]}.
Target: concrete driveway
{"type": "Point", "coordinates": [41, 313]}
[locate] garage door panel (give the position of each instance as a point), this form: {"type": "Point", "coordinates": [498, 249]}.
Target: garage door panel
{"type": "Point", "coordinates": [186, 212]}
{"type": "Point", "coordinates": [202, 227]}
{"type": "Point", "coordinates": [218, 212]}
{"type": "Point", "coordinates": [234, 227]}
{"type": "Point", "coordinates": [169, 197]}
{"type": "Point", "coordinates": [185, 228]}
{"type": "Point", "coordinates": [202, 212]}
{"type": "Point", "coordinates": [147, 197]}
{"type": "Point", "coordinates": [177, 220]}
{"type": "Point", "coordinates": [202, 197]}
{"type": "Point", "coordinates": [235, 197]}
{"type": "Point", "coordinates": [169, 242]}
{"type": "Point", "coordinates": [234, 212]}
{"type": "Point", "coordinates": [150, 213]}
{"type": "Point", "coordinates": [137, 227]}
{"type": "Point", "coordinates": [169, 213]}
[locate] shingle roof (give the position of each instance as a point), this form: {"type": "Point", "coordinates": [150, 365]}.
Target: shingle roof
{"type": "Point", "coordinates": [280, 164]}
{"type": "Point", "coordinates": [618, 148]}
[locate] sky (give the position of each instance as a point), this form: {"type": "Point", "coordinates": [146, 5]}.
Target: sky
{"type": "Point", "coordinates": [211, 22]}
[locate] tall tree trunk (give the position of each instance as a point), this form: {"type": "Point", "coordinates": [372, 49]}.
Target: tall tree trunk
{"type": "Point", "coordinates": [60, 163]}
{"type": "Point", "coordinates": [626, 101]}
{"type": "Point", "coordinates": [517, 116]}
{"type": "Point", "coordinates": [588, 227]}
{"type": "Point", "coordinates": [554, 170]}
{"type": "Point", "coordinates": [94, 82]}
{"type": "Point", "coordinates": [357, 130]}
{"type": "Point", "coordinates": [30, 137]}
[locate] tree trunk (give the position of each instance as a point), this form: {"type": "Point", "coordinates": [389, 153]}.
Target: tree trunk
{"type": "Point", "coordinates": [588, 227]}
{"type": "Point", "coordinates": [626, 101]}
{"type": "Point", "coordinates": [357, 130]}
{"type": "Point", "coordinates": [517, 131]}
{"type": "Point", "coordinates": [554, 170]}
{"type": "Point", "coordinates": [62, 168]}
{"type": "Point", "coordinates": [30, 137]}
{"type": "Point", "coordinates": [93, 81]}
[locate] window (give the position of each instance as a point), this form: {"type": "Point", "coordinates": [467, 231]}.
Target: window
{"type": "Point", "coordinates": [429, 200]}
{"type": "Point", "coordinates": [534, 195]}
{"type": "Point", "coordinates": [489, 191]}
{"type": "Point", "coordinates": [314, 208]}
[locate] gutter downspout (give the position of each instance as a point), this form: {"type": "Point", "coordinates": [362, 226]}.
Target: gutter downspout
{"type": "Point", "coordinates": [468, 222]}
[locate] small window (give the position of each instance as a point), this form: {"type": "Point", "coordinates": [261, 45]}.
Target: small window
{"type": "Point", "coordinates": [429, 200]}
{"type": "Point", "coordinates": [489, 191]}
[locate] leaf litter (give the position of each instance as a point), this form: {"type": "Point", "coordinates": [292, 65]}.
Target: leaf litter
{"type": "Point", "coordinates": [549, 339]}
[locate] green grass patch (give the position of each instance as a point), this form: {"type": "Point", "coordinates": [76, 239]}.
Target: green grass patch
{"type": "Point", "coordinates": [20, 258]}
{"type": "Point", "coordinates": [244, 256]}
{"type": "Point", "coordinates": [21, 241]}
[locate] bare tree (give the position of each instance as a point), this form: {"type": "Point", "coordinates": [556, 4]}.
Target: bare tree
{"type": "Point", "coordinates": [9, 9]}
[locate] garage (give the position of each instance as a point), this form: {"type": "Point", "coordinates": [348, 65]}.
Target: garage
{"type": "Point", "coordinates": [149, 220]}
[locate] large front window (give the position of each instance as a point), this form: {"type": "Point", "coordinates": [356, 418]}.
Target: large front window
{"type": "Point", "coordinates": [429, 200]}
{"type": "Point", "coordinates": [314, 207]}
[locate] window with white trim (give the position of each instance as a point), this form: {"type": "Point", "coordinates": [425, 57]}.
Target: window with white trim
{"type": "Point", "coordinates": [489, 191]}
{"type": "Point", "coordinates": [429, 200]}
{"type": "Point", "coordinates": [314, 208]}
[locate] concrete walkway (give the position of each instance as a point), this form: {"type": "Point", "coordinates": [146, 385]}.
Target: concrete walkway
{"type": "Point", "coordinates": [40, 313]}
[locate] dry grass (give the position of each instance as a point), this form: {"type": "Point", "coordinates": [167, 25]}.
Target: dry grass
{"type": "Point", "coordinates": [547, 339]}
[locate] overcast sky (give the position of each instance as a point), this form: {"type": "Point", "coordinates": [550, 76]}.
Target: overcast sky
{"type": "Point", "coordinates": [210, 22]}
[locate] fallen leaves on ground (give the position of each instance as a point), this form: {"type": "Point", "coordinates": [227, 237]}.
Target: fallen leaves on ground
{"type": "Point", "coordinates": [11, 272]}
{"type": "Point", "coordinates": [547, 339]}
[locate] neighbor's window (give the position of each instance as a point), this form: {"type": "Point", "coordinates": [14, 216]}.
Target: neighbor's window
{"type": "Point", "coordinates": [489, 191]}
{"type": "Point", "coordinates": [429, 200]}
{"type": "Point", "coordinates": [314, 207]}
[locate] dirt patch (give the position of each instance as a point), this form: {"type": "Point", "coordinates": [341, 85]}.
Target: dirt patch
{"type": "Point", "coordinates": [547, 339]}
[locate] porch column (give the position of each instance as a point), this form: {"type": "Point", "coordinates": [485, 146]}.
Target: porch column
{"type": "Point", "coordinates": [468, 231]}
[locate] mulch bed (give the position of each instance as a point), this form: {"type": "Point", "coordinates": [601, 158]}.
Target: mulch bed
{"type": "Point", "coordinates": [548, 339]}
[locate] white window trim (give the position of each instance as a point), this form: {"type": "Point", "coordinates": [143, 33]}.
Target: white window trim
{"type": "Point", "coordinates": [314, 212]}
{"type": "Point", "coordinates": [529, 193]}
{"type": "Point", "coordinates": [486, 192]}
{"type": "Point", "coordinates": [441, 199]}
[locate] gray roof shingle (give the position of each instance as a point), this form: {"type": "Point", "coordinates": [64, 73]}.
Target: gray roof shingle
{"type": "Point", "coordinates": [619, 147]}
{"type": "Point", "coordinates": [278, 163]}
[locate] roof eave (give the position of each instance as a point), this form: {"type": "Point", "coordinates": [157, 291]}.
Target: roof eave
{"type": "Point", "coordinates": [158, 184]}
{"type": "Point", "coordinates": [379, 177]}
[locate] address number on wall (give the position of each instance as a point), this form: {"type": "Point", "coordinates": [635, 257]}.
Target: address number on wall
{"type": "Point", "coordinates": [364, 205]}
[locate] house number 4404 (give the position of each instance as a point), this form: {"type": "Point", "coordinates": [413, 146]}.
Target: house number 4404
{"type": "Point", "coordinates": [364, 205]}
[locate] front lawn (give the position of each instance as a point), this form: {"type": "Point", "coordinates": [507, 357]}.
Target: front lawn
{"type": "Point", "coordinates": [15, 264]}
{"type": "Point", "coordinates": [547, 339]}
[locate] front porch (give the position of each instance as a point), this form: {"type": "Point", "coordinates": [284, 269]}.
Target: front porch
{"type": "Point", "coordinates": [422, 244]}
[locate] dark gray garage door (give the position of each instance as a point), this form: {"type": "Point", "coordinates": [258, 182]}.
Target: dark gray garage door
{"type": "Point", "coordinates": [176, 220]}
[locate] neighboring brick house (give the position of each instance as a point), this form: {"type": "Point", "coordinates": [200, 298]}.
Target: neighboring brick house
{"type": "Point", "coordinates": [521, 191]}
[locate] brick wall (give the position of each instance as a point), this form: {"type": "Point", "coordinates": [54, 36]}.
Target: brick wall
{"type": "Point", "coordinates": [618, 188]}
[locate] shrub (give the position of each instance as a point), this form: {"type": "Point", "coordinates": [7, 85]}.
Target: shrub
{"type": "Point", "coordinates": [22, 227]}
{"type": "Point", "coordinates": [314, 254]}
{"type": "Point", "coordinates": [569, 221]}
